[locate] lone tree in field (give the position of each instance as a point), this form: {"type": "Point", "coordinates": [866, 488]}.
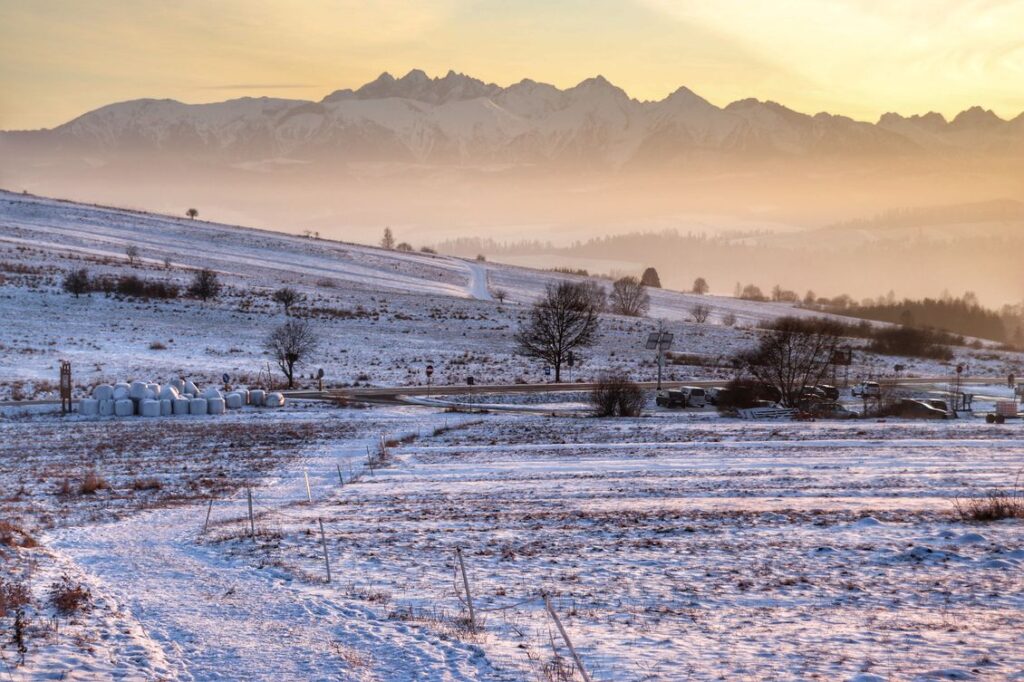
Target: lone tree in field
{"type": "Point", "coordinates": [388, 240]}
{"type": "Point", "coordinates": [700, 286]}
{"type": "Point", "coordinates": [794, 354]}
{"type": "Point", "coordinates": [564, 320]}
{"type": "Point", "coordinates": [77, 282]}
{"type": "Point", "coordinates": [700, 312]}
{"type": "Point", "coordinates": [629, 297]}
{"type": "Point", "coordinates": [132, 252]}
{"type": "Point", "coordinates": [205, 285]}
{"type": "Point", "coordinates": [289, 344]}
{"type": "Point", "coordinates": [287, 297]}
{"type": "Point", "coordinates": [192, 213]}
{"type": "Point", "coordinates": [650, 278]}
{"type": "Point", "coordinates": [499, 295]}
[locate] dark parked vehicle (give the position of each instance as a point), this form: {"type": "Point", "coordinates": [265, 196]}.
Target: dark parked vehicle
{"type": "Point", "coordinates": [670, 398]}
{"type": "Point", "coordinates": [917, 409]}
{"type": "Point", "coordinates": [832, 410]}
{"type": "Point", "coordinates": [830, 392]}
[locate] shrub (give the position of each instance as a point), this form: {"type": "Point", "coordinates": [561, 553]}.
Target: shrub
{"type": "Point", "coordinates": [920, 343]}
{"type": "Point", "coordinates": [91, 484]}
{"type": "Point", "coordinates": [157, 345]}
{"type": "Point", "coordinates": [77, 282]}
{"type": "Point", "coordinates": [12, 597]}
{"type": "Point", "coordinates": [205, 285]}
{"type": "Point", "coordinates": [135, 287]}
{"type": "Point", "coordinates": [995, 506]}
{"type": "Point", "coordinates": [13, 536]}
{"type": "Point", "coordinates": [616, 395]}
{"type": "Point", "coordinates": [69, 597]}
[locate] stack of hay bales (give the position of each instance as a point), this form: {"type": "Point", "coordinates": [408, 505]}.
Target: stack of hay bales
{"type": "Point", "coordinates": [177, 397]}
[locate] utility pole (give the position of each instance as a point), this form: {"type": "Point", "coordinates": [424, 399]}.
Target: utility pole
{"type": "Point", "coordinates": [660, 341]}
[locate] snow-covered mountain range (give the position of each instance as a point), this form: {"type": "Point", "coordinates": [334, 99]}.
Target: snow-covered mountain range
{"type": "Point", "coordinates": [457, 119]}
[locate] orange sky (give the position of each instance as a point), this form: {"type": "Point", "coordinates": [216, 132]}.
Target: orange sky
{"type": "Point", "coordinates": [61, 58]}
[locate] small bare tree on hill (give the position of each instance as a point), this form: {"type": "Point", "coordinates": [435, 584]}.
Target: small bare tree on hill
{"type": "Point", "coordinates": [629, 297]}
{"type": "Point", "coordinates": [700, 312]}
{"type": "Point", "coordinates": [77, 282]}
{"type": "Point", "coordinates": [388, 240]}
{"type": "Point", "coordinates": [289, 344]}
{"type": "Point", "coordinates": [287, 297]}
{"type": "Point", "coordinates": [192, 214]}
{"type": "Point", "coordinates": [205, 285]}
{"type": "Point", "coordinates": [132, 252]}
{"type": "Point", "coordinates": [794, 354]}
{"type": "Point", "coordinates": [700, 286]}
{"type": "Point", "coordinates": [563, 320]}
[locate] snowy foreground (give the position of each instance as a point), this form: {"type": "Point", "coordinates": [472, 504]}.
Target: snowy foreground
{"type": "Point", "coordinates": [680, 545]}
{"type": "Point", "coordinates": [672, 548]}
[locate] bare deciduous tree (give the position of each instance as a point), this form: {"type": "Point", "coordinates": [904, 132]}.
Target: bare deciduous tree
{"type": "Point", "coordinates": [205, 285]}
{"type": "Point", "coordinates": [388, 240]}
{"type": "Point", "coordinates": [598, 295]}
{"type": "Point", "coordinates": [192, 213]}
{"type": "Point", "coordinates": [700, 286]}
{"type": "Point", "coordinates": [700, 312]}
{"type": "Point", "coordinates": [499, 295]}
{"type": "Point", "coordinates": [289, 344]}
{"type": "Point", "coordinates": [287, 297]}
{"type": "Point", "coordinates": [563, 320]}
{"type": "Point", "coordinates": [650, 278]}
{"type": "Point", "coordinates": [77, 282]}
{"type": "Point", "coordinates": [132, 252]}
{"type": "Point", "coordinates": [794, 354]}
{"type": "Point", "coordinates": [629, 297]}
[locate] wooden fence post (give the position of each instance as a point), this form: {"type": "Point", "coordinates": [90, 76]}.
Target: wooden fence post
{"type": "Point", "coordinates": [252, 521]}
{"type": "Point", "coordinates": [565, 638]}
{"type": "Point", "coordinates": [323, 543]}
{"type": "Point", "coordinates": [206, 523]}
{"type": "Point", "coordinates": [309, 493]}
{"type": "Point", "coordinates": [469, 596]}
{"type": "Point", "coordinates": [341, 479]}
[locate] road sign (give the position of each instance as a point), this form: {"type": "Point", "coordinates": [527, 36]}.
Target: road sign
{"type": "Point", "coordinates": [430, 370]}
{"type": "Point", "coordinates": [320, 373]}
{"type": "Point", "coordinates": [226, 378]}
{"type": "Point", "coordinates": [842, 356]}
{"type": "Point", "coordinates": [470, 381]}
{"type": "Point", "coordinates": [547, 371]}
{"type": "Point", "coordinates": [571, 360]}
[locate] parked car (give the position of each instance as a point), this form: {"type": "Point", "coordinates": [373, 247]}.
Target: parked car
{"type": "Point", "coordinates": [670, 398]}
{"type": "Point", "coordinates": [830, 392]}
{"type": "Point", "coordinates": [918, 409]}
{"type": "Point", "coordinates": [812, 393]}
{"type": "Point", "coordinates": [695, 397]}
{"type": "Point", "coordinates": [867, 389]}
{"type": "Point", "coordinates": [711, 395]}
{"type": "Point", "coordinates": [832, 410]}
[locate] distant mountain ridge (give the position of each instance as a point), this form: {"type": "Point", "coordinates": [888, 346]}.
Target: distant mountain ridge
{"type": "Point", "coordinates": [460, 120]}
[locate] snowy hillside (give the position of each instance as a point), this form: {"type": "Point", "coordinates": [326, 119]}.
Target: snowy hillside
{"type": "Point", "coordinates": [381, 315]}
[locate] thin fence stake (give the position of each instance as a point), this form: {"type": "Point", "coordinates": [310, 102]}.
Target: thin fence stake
{"type": "Point", "coordinates": [469, 596]}
{"type": "Point", "coordinates": [309, 493]}
{"type": "Point", "coordinates": [341, 479]}
{"type": "Point", "coordinates": [209, 509]}
{"type": "Point", "coordinates": [252, 521]}
{"type": "Point", "coordinates": [323, 543]}
{"type": "Point", "coordinates": [565, 638]}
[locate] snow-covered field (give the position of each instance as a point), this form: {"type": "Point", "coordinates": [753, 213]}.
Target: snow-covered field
{"type": "Point", "coordinates": [673, 546]}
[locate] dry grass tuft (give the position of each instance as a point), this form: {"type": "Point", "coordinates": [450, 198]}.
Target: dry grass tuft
{"type": "Point", "coordinates": [68, 597]}
{"type": "Point", "coordinates": [995, 506]}
{"type": "Point", "coordinates": [12, 597]}
{"type": "Point", "coordinates": [91, 484]}
{"type": "Point", "coordinates": [13, 536]}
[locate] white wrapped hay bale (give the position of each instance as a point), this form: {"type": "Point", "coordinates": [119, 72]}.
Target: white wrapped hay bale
{"type": "Point", "coordinates": [89, 407]}
{"type": "Point", "coordinates": [244, 392]}
{"type": "Point", "coordinates": [212, 393]}
{"type": "Point", "coordinates": [154, 387]}
{"type": "Point", "coordinates": [149, 408]}
{"type": "Point", "coordinates": [121, 391]}
{"type": "Point", "coordinates": [107, 407]}
{"type": "Point", "coordinates": [190, 389]}
{"type": "Point", "coordinates": [124, 407]}
{"type": "Point", "coordinates": [256, 397]}
{"type": "Point", "coordinates": [103, 392]}
{"type": "Point", "coordinates": [178, 384]}
{"type": "Point", "coordinates": [166, 407]}
{"type": "Point", "coordinates": [197, 406]}
{"type": "Point", "coordinates": [180, 406]}
{"type": "Point", "coordinates": [215, 405]}
{"type": "Point", "coordinates": [169, 393]}
{"type": "Point", "coordinates": [138, 391]}
{"type": "Point", "coordinates": [233, 401]}
{"type": "Point", "coordinates": [274, 400]}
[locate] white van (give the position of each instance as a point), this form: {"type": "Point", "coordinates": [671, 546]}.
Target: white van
{"type": "Point", "coordinates": [695, 397]}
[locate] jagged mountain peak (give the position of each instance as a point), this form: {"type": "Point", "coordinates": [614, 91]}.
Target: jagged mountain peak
{"type": "Point", "coordinates": [976, 117]}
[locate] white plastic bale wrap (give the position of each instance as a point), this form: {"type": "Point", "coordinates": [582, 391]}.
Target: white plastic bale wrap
{"type": "Point", "coordinates": [190, 389]}
{"type": "Point", "coordinates": [154, 387]}
{"type": "Point", "coordinates": [233, 401]}
{"type": "Point", "coordinates": [166, 407]}
{"type": "Point", "coordinates": [138, 391]}
{"type": "Point", "coordinates": [89, 407]}
{"type": "Point", "coordinates": [275, 400]}
{"type": "Point", "coordinates": [197, 406]}
{"type": "Point", "coordinates": [103, 392]}
{"type": "Point", "coordinates": [180, 406]}
{"type": "Point", "coordinates": [178, 384]}
{"type": "Point", "coordinates": [169, 393]}
{"type": "Point", "coordinates": [106, 407]}
{"type": "Point", "coordinates": [256, 397]}
{"type": "Point", "coordinates": [124, 407]}
{"type": "Point", "coordinates": [244, 392]}
{"type": "Point", "coordinates": [121, 391]}
{"type": "Point", "coordinates": [150, 408]}
{"type": "Point", "coordinates": [215, 405]}
{"type": "Point", "coordinates": [211, 393]}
